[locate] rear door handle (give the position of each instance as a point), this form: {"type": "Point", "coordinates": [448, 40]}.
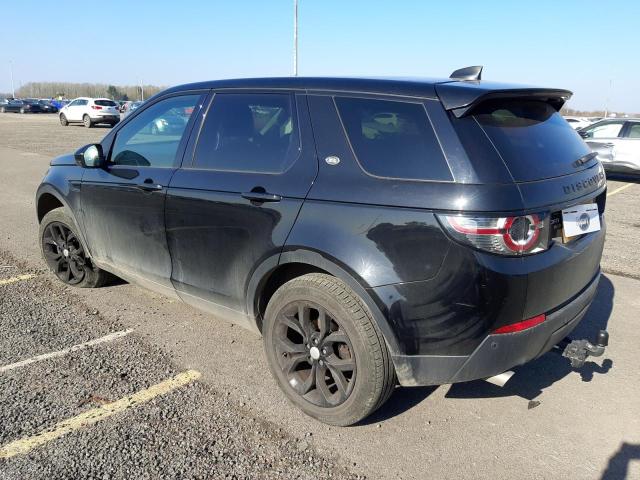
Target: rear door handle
{"type": "Point", "coordinates": [261, 197]}
{"type": "Point", "coordinates": [149, 186]}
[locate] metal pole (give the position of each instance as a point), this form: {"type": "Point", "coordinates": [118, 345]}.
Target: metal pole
{"type": "Point", "coordinates": [295, 38]}
{"type": "Point", "coordinates": [13, 90]}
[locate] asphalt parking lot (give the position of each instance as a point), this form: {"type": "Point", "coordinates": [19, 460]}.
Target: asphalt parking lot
{"type": "Point", "coordinates": [156, 389]}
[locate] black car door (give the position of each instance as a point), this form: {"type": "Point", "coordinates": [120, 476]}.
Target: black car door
{"type": "Point", "coordinates": [123, 204]}
{"type": "Point", "coordinates": [235, 199]}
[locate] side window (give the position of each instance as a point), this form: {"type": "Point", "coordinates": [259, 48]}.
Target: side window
{"type": "Point", "coordinates": [634, 130]}
{"type": "Point", "coordinates": [249, 133]}
{"type": "Point", "coordinates": [74, 103]}
{"type": "Point", "coordinates": [152, 138]}
{"type": "Point", "coordinates": [604, 130]}
{"type": "Point", "coordinates": [393, 139]}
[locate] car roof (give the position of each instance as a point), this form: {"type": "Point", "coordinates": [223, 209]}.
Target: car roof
{"type": "Point", "coordinates": [454, 94]}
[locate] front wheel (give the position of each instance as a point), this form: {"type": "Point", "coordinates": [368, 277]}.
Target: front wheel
{"type": "Point", "coordinates": [325, 350]}
{"type": "Point", "coordinates": [63, 120]}
{"type": "Point", "coordinates": [87, 121]}
{"type": "Point", "coordinates": [64, 253]}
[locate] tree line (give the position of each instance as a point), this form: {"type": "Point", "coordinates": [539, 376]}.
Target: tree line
{"type": "Point", "coordinates": [93, 90]}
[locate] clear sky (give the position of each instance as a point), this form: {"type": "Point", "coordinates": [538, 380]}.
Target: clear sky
{"type": "Point", "coordinates": [584, 46]}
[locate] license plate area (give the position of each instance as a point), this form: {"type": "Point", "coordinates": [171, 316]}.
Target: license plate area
{"type": "Point", "coordinates": [579, 220]}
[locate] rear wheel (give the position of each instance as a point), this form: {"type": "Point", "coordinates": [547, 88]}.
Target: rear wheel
{"type": "Point", "coordinates": [64, 253]}
{"type": "Point", "coordinates": [63, 120]}
{"type": "Point", "coordinates": [87, 121]}
{"type": "Point", "coordinates": [325, 351]}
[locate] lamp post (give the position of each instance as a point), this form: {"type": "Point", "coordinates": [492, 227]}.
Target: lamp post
{"type": "Point", "coordinates": [295, 38]}
{"type": "Point", "coordinates": [13, 90]}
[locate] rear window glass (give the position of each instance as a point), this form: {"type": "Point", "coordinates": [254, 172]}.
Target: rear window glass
{"type": "Point", "coordinates": [532, 138]}
{"type": "Point", "coordinates": [105, 103]}
{"type": "Point", "coordinates": [393, 139]}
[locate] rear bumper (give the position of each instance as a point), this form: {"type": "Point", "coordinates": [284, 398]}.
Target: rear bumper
{"type": "Point", "coordinates": [105, 119]}
{"type": "Point", "coordinates": [496, 353]}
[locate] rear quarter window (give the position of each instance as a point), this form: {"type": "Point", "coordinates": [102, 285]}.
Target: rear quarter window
{"type": "Point", "coordinates": [393, 139]}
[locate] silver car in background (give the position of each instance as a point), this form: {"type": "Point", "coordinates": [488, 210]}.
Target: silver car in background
{"type": "Point", "coordinates": [617, 143]}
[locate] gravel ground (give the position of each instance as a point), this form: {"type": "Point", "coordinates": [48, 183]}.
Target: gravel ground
{"type": "Point", "coordinates": [192, 432]}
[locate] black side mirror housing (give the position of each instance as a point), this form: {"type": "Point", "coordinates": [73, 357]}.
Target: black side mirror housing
{"type": "Point", "coordinates": [90, 156]}
{"type": "Point", "coordinates": [583, 134]}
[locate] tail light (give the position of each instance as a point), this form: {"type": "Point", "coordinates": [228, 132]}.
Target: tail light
{"type": "Point", "coordinates": [519, 235]}
{"type": "Point", "coordinates": [96, 107]}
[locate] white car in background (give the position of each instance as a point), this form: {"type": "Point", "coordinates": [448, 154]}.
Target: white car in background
{"type": "Point", "coordinates": [578, 122]}
{"type": "Point", "coordinates": [90, 111]}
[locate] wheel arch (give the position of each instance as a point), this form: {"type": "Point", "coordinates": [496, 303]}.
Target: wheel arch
{"type": "Point", "coordinates": [49, 198]}
{"type": "Point", "coordinates": [277, 270]}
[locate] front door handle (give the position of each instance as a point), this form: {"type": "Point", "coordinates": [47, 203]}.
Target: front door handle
{"type": "Point", "coordinates": [261, 197]}
{"type": "Point", "coordinates": [149, 186]}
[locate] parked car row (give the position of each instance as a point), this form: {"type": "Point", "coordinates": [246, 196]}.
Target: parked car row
{"type": "Point", "coordinates": [27, 105]}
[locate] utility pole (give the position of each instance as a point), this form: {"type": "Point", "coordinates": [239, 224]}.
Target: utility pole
{"type": "Point", "coordinates": [295, 38]}
{"type": "Point", "coordinates": [141, 91]}
{"type": "Point", "coordinates": [13, 90]}
{"type": "Point", "coordinates": [606, 106]}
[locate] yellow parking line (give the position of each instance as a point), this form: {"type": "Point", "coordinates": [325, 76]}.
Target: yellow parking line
{"type": "Point", "coordinates": [618, 190]}
{"type": "Point", "coordinates": [19, 278]}
{"type": "Point", "coordinates": [24, 445]}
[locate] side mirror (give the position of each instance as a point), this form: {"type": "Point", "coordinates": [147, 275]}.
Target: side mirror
{"type": "Point", "coordinates": [90, 156]}
{"type": "Point", "coordinates": [583, 134]}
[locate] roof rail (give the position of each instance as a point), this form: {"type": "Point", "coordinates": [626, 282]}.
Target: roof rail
{"type": "Point", "coordinates": [468, 73]}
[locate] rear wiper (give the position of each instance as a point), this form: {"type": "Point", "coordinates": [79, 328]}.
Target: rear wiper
{"type": "Point", "coordinates": [585, 158]}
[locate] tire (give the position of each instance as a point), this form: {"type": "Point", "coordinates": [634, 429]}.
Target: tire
{"type": "Point", "coordinates": [353, 374]}
{"type": "Point", "coordinates": [64, 253]}
{"type": "Point", "coordinates": [86, 120]}
{"type": "Point", "coordinates": [63, 120]}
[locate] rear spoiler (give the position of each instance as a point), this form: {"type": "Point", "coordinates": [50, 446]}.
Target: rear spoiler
{"type": "Point", "coordinates": [462, 97]}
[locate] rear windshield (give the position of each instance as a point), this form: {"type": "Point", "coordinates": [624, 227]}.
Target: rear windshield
{"type": "Point", "coordinates": [532, 138]}
{"type": "Point", "coordinates": [105, 103]}
{"type": "Point", "coordinates": [393, 139]}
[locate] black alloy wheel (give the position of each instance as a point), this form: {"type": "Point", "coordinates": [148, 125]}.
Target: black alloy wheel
{"type": "Point", "coordinates": [64, 253]}
{"type": "Point", "coordinates": [325, 350]}
{"type": "Point", "coordinates": [315, 354]}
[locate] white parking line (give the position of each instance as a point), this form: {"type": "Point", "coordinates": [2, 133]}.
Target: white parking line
{"type": "Point", "coordinates": [618, 190]}
{"type": "Point", "coordinates": [60, 353]}
{"type": "Point", "coordinates": [25, 445]}
{"type": "Point", "coordinates": [19, 278]}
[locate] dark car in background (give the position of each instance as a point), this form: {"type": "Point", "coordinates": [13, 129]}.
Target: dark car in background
{"type": "Point", "coordinates": [47, 106]}
{"type": "Point", "coordinates": [373, 231]}
{"type": "Point", "coordinates": [13, 105]}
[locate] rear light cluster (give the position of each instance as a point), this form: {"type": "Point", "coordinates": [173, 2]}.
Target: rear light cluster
{"type": "Point", "coordinates": [519, 235]}
{"type": "Point", "coordinates": [96, 107]}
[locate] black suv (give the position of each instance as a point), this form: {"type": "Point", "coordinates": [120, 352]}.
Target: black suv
{"type": "Point", "coordinates": [371, 230]}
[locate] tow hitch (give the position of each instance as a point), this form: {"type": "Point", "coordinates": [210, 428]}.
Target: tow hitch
{"type": "Point", "coordinates": [577, 351]}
